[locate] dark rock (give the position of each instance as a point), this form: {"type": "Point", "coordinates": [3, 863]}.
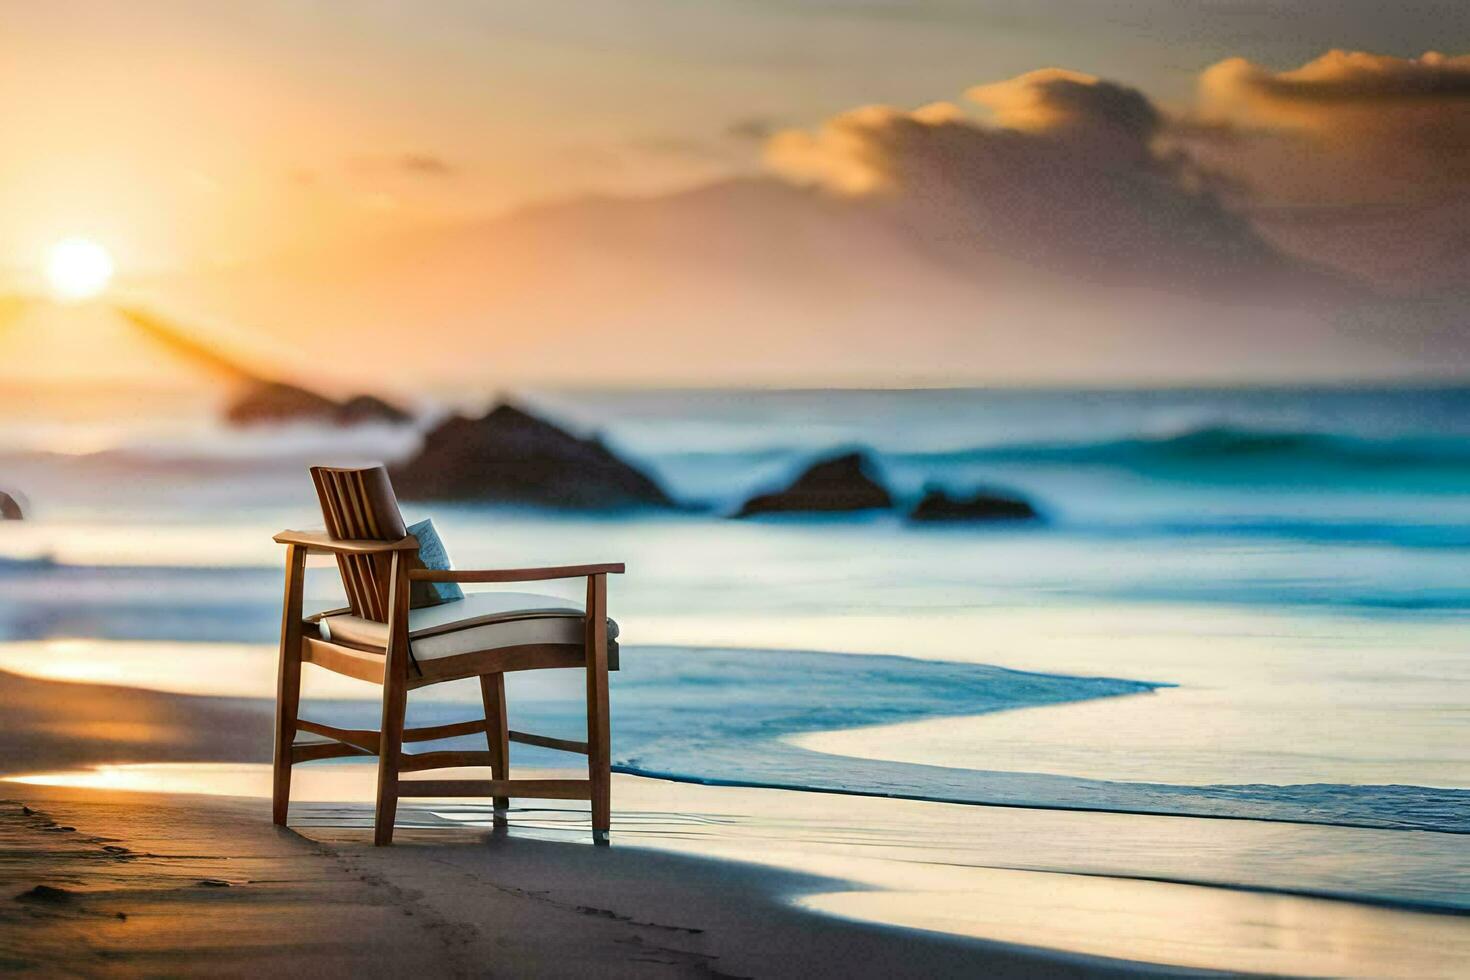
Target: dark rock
{"type": "Point", "coordinates": [840, 483]}
{"type": "Point", "coordinates": [369, 408]}
{"type": "Point", "coordinates": [512, 456]}
{"type": "Point", "coordinates": [47, 894]}
{"type": "Point", "coordinates": [983, 505]}
{"type": "Point", "coordinates": [276, 403]}
{"type": "Point", "coordinates": [273, 402]}
{"type": "Point", "coordinates": [10, 508]}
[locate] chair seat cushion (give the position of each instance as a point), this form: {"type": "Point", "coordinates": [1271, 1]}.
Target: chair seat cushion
{"type": "Point", "coordinates": [479, 621]}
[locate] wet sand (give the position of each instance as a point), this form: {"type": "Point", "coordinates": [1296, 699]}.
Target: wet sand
{"type": "Point", "coordinates": [50, 725]}
{"type": "Point", "coordinates": [699, 881]}
{"type": "Point", "coordinates": [137, 884]}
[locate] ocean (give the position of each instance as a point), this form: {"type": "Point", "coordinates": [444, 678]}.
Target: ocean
{"type": "Point", "coordinates": [1242, 603]}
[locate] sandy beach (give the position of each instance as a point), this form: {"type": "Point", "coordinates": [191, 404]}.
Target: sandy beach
{"type": "Point", "coordinates": [102, 878]}
{"type": "Point", "coordinates": [115, 882]}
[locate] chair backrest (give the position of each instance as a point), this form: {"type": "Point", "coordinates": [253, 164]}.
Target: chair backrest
{"type": "Point", "coordinates": [360, 504]}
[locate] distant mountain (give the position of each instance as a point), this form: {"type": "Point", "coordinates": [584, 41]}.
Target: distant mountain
{"type": "Point", "coordinates": [757, 280]}
{"type": "Point", "coordinates": [100, 361]}
{"type": "Point", "coordinates": [277, 403]}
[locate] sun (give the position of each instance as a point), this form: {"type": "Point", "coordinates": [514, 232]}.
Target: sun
{"type": "Point", "coordinates": [78, 269]}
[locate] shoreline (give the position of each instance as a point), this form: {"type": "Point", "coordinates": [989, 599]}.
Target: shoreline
{"type": "Point", "coordinates": [973, 714]}
{"type": "Point", "coordinates": [765, 882]}
{"type": "Point", "coordinates": [1006, 805]}
{"type": "Point", "coordinates": [60, 916]}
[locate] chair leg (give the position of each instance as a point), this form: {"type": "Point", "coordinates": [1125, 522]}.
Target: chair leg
{"type": "Point", "coordinates": [497, 734]}
{"type": "Point", "coordinates": [390, 745]}
{"type": "Point", "coordinates": [395, 701]}
{"type": "Point", "coordinates": [599, 755]}
{"type": "Point", "coordinates": [288, 704]}
{"type": "Point", "coordinates": [599, 741]}
{"type": "Point", "coordinates": [288, 684]}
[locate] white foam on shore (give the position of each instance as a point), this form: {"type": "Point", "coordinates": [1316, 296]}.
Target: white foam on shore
{"type": "Point", "coordinates": [1261, 698]}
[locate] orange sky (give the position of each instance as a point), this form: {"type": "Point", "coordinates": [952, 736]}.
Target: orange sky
{"type": "Point", "coordinates": [183, 132]}
{"type": "Point", "coordinates": [251, 165]}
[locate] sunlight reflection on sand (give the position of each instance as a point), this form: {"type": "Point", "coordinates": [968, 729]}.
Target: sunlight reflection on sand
{"type": "Point", "coordinates": [321, 784]}
{"type": "Point", "coordinates": [925, 865]}
{"type": "Point", "coordinates": [221, 669]}
{"type": "Point", "coordinates": [1164, 922]}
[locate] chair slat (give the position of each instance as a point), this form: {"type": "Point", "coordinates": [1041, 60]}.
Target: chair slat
{"type": "Point", "coordinates": [433, 732]}
{"type": "Point", "coordinates": [352, 518]}
{"type": "Point", "coordinates": [325, 750]}
{"type": "Point", "coordinates": [359, 504]}
{"type": "Point", "coordinates": [360, 737]}
{"type": "Point", "coordinates": [367, 581]}
{"type": "Point", "coordinates": [343, 660]}
{"type": "Point", "coordinates": [547, 742]}
{"type": "Point", "coordinates": [326, 492]}
{"type": "Point", "coordinates": [536, 789]}
{"type": "Point", "coordinates": [369, 518]}
{"type": "Point", "coordinates": [367, 739]}
{"type": "Point", "coordinates": [421, 761]}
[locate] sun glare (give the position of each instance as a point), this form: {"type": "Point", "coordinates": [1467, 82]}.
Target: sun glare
{"type": "Point", "coordinates": [78, 269]}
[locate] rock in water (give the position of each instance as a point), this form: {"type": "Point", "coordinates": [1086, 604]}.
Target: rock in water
{"type": "Point", "coordinates": [841, 483]}
{"type": "Point", "coordinates": [274, 402]}
{"type": "Point", "coordinates": [9, 508]}
{"type": "Point", "coordinates": [512, 456]}
{"type": "Point", "coordinates": [277, 403]}
{"type": "Point", "coordinates": [982, 505]}
{"type": "Point", "coordinates": [360, 409]}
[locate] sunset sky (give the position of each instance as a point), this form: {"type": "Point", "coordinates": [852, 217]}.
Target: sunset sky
{"type": "Point", "coordinates": [1190, 151]}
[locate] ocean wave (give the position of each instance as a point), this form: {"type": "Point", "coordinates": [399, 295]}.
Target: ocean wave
{"type": "Point", "coordinates": [783, 693]}
{"type": "Point", "coordinates": [724, 716]}
{"type": "Point", "coordinates": [1228, 445]}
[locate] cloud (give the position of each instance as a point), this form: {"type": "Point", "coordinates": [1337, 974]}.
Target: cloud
{"type": "Point", "coordinates": [1351, 78]}
{"type": "Point", "coordinates": [1081, 108]}
{"type": "Point", "coordinates": [757, 128]}
{"type": "Point", "coordinates": [1347, 127]}
{"type": "Point", "coordinates": [413, 164]}
{"type": "Point", "coordinates": [1359, 159]}
{"type": "Point", "coordinates": [1051, 111]}
{"type": "Point", "coordinates": [874, 148]}
{"type": "Point", "coordinates": [425, 165]}
{"type": "Point", "coordinates": [1065, 175]}
{"type": "Point", "coordinates": [1352, 161]}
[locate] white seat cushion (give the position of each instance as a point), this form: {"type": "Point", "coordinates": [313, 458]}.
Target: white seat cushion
{"type": "Point", "coordinates": [479, 621]}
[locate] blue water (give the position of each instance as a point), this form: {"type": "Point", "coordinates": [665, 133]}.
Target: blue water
{"type": "Point", "coordinates": [718, 716]}
{"type": "Point", "coordinates": [1334, 517]}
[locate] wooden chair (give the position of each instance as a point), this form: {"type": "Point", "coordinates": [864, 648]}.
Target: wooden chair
{"type": "Point", "coordinates": [378, 638]}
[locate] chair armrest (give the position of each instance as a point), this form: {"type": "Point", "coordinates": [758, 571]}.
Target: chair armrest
{"type": "Point", "coordinates": [322, 543]}
{"type": "Point", "coordinates": [469, 576]}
